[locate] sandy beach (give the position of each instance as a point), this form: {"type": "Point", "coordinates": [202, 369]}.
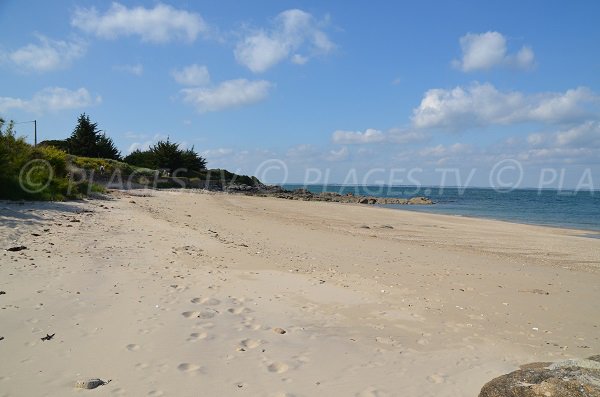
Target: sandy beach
{"type": "Point", "coordinates": [172, 293]}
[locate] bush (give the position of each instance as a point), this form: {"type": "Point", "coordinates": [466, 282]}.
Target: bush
{"type": "Point", "coordinates": [34, 173]}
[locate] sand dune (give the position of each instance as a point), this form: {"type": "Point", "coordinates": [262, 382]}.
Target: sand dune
{"type": "Point", "coordinates": [187, 294]}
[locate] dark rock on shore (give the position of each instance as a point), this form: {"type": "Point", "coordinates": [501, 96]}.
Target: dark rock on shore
{"type": "Point", "coordinates": [306, 195]}
{"type": "Point", "coordinates": [570, 378]}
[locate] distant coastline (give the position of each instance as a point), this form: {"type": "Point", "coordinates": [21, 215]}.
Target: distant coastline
{"type": "Point", "coordinates": [545, 207]}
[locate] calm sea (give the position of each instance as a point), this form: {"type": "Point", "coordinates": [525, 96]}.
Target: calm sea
{"type": "Point", "coordinates": [564, 208]}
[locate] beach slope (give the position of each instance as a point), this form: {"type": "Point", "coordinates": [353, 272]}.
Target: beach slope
{"type": "Point", "coordinates": [178, 293]}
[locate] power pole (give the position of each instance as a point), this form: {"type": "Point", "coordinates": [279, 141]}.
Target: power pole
{"type": "Point", "coordinates": [34, 129]}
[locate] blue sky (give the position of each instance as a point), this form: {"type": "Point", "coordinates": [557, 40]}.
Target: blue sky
{"type": "Point", "coordinates": [336, 91]}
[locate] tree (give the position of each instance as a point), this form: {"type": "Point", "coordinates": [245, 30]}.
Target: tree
{"type": "Point", "coordinates": [192, 161]}
{"type": "Point", "coordinates": [144, 159]}
{"type": "Point", "coordinates": [106, 148]}
{"type": "Point", "coordinates": [88, 141]}
{"type": "Point", "coordinates": [167, 155]}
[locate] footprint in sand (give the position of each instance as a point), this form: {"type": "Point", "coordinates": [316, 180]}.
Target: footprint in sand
{"type": "Point", "coordinates": [250, 343]}
{"type": "Point", "coordinates": [141, 366]}
{"type": "Point", "coordinates": [132, 347]}
{"type": "Point", "coordinates": [190, 314]}
{"type": "Point", "coordinates": [436, 378]}
{"type": "Point", "coordinates": [277, 367]}
{"type": "Point", "coordinates": [371, 392]}
{"type": "Point", "coordinates": [239, 310]}
{"type": "Point", "coordinates": [196, 336]}
{"type": "Point", "coordinates": [204, 314]}
{"type": "Point", "coordinates": [189, 368]}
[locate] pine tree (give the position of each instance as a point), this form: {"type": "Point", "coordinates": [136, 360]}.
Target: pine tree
{"type": "Point", "coordinates": [82, 141]}
{"type": "Point", "coordinates": [88, 141]}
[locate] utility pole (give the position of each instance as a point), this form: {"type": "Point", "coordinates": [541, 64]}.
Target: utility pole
{"type": "Point", "coordinates": [34, 129]}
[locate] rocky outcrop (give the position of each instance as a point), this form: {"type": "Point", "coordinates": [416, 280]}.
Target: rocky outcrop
{"type": "Point", "coordinates": [306, 195]}
{"type": "Point", "coordinates": [570, 378]}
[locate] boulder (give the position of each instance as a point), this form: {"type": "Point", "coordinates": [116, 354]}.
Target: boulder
{"type": "Point", "coordinates": [420, 201]}
{"type": "Point", "coordinates": [570, 378]}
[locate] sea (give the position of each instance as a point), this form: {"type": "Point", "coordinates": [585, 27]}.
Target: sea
{"type": "Point", "coordinates": [558, 208]}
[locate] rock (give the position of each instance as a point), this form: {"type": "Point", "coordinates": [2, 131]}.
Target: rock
{"type": "Point", "coordinates": [420, 201]}
{"type": "Point", "coordinates": [18, 248]}
{"type": "Point", "coordinates": [280, 331]}
{"type": "Point", "coordinates": [363, 200]}
{"type": "Point", "coordinates": [570, 378]}
{"type": "Point", "coordinates": [90, 383]}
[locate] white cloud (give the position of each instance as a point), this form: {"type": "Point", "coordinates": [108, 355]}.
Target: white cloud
{"type": "Point", "coordinates": [51, 99]}
{"type": "Point", "coordinates": [442, 150]}
{"type": "Point", "coordinates": [482, 51]}
{"type": "Point", "coordinates": [371, 135]}
{"type": "Point", "coordinates": [299, 59]}
{"type": "Point", "coordinates": [193, 75]}
{"type": "Point", "coordinates": [145, 145]}
{"type": "Point", "coordinates": [338, 155]}
{"type": "Point", "coordinates": [160, 24]}
{"type": "Point", "coordinates": [47, 55]}
{"type": "Point", "coordinates": [584, 135]}
{"type": "Point", "coordinates": [228, 94]}
{"type": "Point", "coordinates": [136, 70]}
{"type": "Point", "coordinates": [399, 135]}
{"type": "Point", "coordinates": [351, 137]}
{"type": "Point", "coordinates": [216, 153]}
{"type": "Point", "coordinates": [536, 139]}
{"type": "Point", "coordinates": [293, 30]}
{"type": "Point", "coordinates": [482, 104]}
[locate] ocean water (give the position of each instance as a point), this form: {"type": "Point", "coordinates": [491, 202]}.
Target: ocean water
{"type": "Point", "coordinates": [558, 208]}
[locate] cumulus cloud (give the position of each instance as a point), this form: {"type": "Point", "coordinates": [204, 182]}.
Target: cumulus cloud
{"type": "Point", "coordinates": [160, 24]}
{"type": "Point", "coordinates": [483, 51]}
{"type": "Point", "coordinates": [47, 55]}
{"type": "Point", "coordinates": [584, 135]}
{"type": "Point", "coordinates": [228, 94]}
{"type": "Point", "coordinates": [370, 135]}
{"type": "Point", "coordinates": [193, 75]}
{"type": "Point", "coordinates": [292, 31]}
{"type": "Point", "coordinates": [482, 104]}
{"type": "Point", "coordinates": [136, 70]}
{"type": "Point", "coordinates": [50, 99]}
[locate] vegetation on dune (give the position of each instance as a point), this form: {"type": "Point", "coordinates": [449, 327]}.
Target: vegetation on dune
{"type": "Point", "coordinates": [66, 169]}
{"type": "Point", "coordinates": [31, 173]}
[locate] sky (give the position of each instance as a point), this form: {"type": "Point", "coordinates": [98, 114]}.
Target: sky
{"type": "Point", "coordinates": [396, 92]}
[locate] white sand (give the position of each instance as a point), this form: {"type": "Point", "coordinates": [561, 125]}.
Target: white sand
{"type": "Point", "coordinates": [178, 294]}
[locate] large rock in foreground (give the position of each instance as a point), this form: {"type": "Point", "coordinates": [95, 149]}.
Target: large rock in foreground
{"type": "Point", "coordinates": [570, 378]}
